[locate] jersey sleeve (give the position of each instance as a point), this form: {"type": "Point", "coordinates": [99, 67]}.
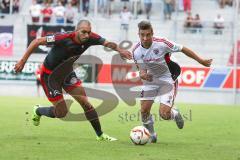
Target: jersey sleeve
{"type": "Point", "coordinates": [171, 46]}
{"type": "Point", "coordinates": [95, 39]}
{"type": "Point", "coordinates": [58, 37]}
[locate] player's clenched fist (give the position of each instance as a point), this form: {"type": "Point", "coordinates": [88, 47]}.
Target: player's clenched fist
{"type": "Point", "coordinates": [19, 66]}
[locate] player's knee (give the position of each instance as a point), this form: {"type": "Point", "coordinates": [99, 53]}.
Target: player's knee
{"type": "Point", "coordinates": [86, 106]}
{"type": "Point", "coordinates": [61, 113]}
{"type": "Point", "coordinates": [145, 110]}
{"type": "Point", "coordinates": [61, 108]}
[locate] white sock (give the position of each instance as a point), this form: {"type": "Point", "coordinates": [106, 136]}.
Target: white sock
{"type": "Point", "coordinates": [174, 112]}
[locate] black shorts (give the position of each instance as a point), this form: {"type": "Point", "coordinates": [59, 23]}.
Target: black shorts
{"type": "Point", "coordinates": [53, 86]}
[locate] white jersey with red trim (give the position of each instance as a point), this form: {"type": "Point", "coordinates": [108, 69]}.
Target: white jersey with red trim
{"type": "Point", "coordinates": [155, 58]}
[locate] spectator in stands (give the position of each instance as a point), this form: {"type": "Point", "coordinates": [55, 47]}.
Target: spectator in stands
{"type": "Point", "coordinates": [74, 2]}
{"type": "Point", "coordinates": [110, 5]}
{"type": "Point", "coordinates": [137, 10]}
{"type": "Point", "coordinates": [64, 2]}
{"type": "Point", "coordinates": [180, 5]}
{"type": "Point", "coordinates": [188, 23]}
{"type": "Point", "coordinates": [125, 16]}
{"type": "Point", "coordinates": [168, 8]}
{"type": "Point", "coordinates": [15, 7]}
{"type": "Point", "coordinates": [70, 14]}
{"type": "Point", "coordinates": [102, 6]}
{"type": "Point", "coordinates": [5, 6]}
{"type": "Point", "coordinates": [187, 5]}
{"type": "Point", "coordinates": [197, 24]}
{"type": "Point", "coordinates": [59, 12]}
{"type": "Point", "coordinates": [85, 5]}
{"type": "Point", "coordinates": [148, 7]}
{"type": "Point", "coordinates": [47, 12]}
{"type": "Point", "coordinates": [218, 24]}
{"type": "Point", "coordinates": [223, 3]}
{"type": "Point", "coordinates": [49, 1]}
{"type": "Point", "coordinates": [1, 7]}
{"type": "Point", "coordinates": [39, 1]}
{"type": "Point", "coordinates": [35, 11]}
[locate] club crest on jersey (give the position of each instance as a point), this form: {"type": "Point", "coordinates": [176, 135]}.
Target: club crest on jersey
{"type": "Point", "coordinates": [73, 80]}
{"type": "Point", "coordinates": [155, 51]}
{"type": "Point", "coordinates": [55, 93]}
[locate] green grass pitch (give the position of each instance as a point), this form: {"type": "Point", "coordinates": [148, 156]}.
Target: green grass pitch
{"type": "Point", "coordinates": [210, 132]}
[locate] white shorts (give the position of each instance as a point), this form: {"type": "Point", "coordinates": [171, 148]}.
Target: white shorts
{"type": "Point", "coordinates": [162, 92]}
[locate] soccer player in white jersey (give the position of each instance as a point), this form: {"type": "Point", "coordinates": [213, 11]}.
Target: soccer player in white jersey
{"type": "Point", "coordinates": [159, 75]}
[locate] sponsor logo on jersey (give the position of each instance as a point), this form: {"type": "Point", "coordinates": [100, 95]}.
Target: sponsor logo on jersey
{"type": "Point", "coordinates": [50, 38]}
{"type": "Point", "coordinates": [155, 50]}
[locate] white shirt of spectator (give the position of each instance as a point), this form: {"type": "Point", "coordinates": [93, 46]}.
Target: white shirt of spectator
{"type": "Point", "coordinates": [153, 58]}
{"type": "Point", "coordinates": [219, 21]}
{"type": "Point", "coordinates": [35, 10]}
{"type": "Point", "coordinates": [70, 13]}
{"type": "Point", "coordinates": [125, 17]}
{"type": "Point", "coordinates": [59, 11]}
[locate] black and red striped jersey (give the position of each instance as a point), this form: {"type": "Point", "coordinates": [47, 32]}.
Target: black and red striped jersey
{"type": "Point", "coordinates": [64, 47]}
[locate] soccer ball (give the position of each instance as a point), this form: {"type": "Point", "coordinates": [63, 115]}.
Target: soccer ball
{"type": "Point", "coordinates": [139, 135]}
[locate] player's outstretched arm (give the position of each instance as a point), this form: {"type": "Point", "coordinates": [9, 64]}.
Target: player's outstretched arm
{"type": "Point", "coordinates": [123, 53]}
{"type": "Point", "coordinates": [33, 45]}
{"type": "Point", "coordinates": [193, 55]}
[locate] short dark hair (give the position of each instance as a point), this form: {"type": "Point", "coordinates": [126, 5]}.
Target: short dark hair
{"type": "Point", "coordinates": [83, 21]}
{"type": "Point", "coordinates": [144, 25]}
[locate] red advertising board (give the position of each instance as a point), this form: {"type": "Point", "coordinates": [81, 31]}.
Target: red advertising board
{"type": "Point", "coordinates": [192, 76]}
{"type": "Point", "coordinates": [6, 40]}
{"type": "Point", "coordinates": [229, 81]}
{"type": "Point", "coordinates": [118, 74]}
{"type": "Point", "coordinates": [230, 60]}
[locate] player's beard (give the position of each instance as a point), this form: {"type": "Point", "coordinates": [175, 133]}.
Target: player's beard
{"type": "Point", "coordinates": [147, 44]}
{"type": "Point", "coordinates": [84, 39]}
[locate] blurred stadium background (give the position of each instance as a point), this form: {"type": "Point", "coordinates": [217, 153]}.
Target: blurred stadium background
{"type": "Point", "coordinates": [218, 134]}
{"type": "Point", "coordinates": [216, 85]}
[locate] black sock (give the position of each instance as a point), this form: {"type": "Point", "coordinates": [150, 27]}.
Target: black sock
{"type": "Point", "coordinates": [92, 116]}
{"type": "Point", "coordinates": [46, 111]}
{"type": "Point", "coordinates": [97, 127]}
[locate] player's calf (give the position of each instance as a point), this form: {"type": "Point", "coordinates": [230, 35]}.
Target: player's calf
{"type": "Point", "coordinates": [170, 113]}
{"type": "Point", "coordinates": [92, 117]}
{"type": "Point", "coordinates": [45, 111]}
{"type": "Point", "coordinates": [60, 109]}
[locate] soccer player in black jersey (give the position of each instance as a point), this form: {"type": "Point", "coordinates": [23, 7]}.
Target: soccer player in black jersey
{"type": "Point", "coordinates": [57, 72]}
